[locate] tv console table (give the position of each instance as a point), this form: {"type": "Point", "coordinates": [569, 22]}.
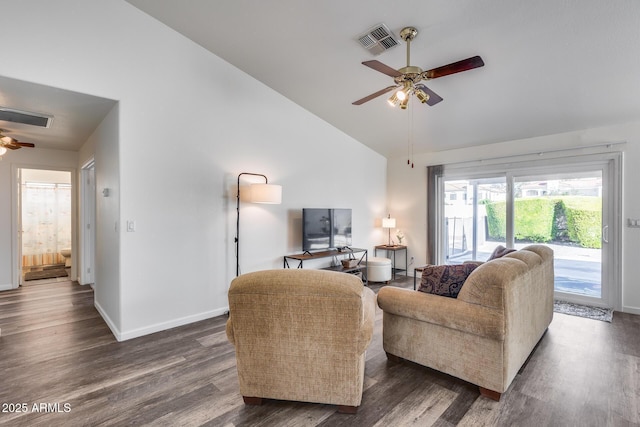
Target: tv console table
{"type": "Point", "coordinates": [351, 253]}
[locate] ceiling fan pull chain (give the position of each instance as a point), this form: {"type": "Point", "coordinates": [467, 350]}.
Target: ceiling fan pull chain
{"type": "Point", "coordinates": [408, 141]}
{"type": "Point", "coordinates": [412, 141]}
{"type": "Point", "coordinates": [410, 136]}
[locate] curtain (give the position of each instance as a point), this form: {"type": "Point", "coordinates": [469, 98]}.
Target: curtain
{"type": "Point", "coordinates": [46, 222]}
{"type": "Point", "coordinates": [434, 173]}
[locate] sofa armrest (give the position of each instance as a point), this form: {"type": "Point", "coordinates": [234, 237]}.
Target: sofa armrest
{"type": "Point", "coordinates": [448, 312]}
{"type": "Point", "coordinates": [369, 315]}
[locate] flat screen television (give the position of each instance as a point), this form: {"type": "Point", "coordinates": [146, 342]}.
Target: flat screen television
{"type": "Point", "coordinates": [325, 228]}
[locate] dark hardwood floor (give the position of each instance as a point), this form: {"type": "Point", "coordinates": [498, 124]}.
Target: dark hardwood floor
{"type": "Point", "coordinates": [60, 366]}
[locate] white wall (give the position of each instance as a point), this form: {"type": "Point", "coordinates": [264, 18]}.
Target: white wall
{"type": "Point", "coordinates": [407, 189]}
{"type": "Point", "coordinates": [103, 147]}
{"type": "Point", "coordinates": [188, 124]}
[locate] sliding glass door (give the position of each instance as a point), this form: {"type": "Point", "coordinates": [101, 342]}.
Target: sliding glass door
{"type": "Point", "coordinates": [572, 211]}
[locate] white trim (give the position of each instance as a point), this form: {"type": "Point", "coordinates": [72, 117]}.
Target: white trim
{"type": "Point", "coordinates": [6, 287]}
{"type": "Point", "coordinates": [570, 160]}
{"type": "Point", "coordinates": [158, 327]}
{"type": "Point", "coordinates": [87, 224]}
{"type": "Point", "coordinates": [114, 330]}
{"type": "Point", "coordinates": [607, 147]}
{"type": "Point", "coordinates": [16, 251]}
{"type": "Point", "coordinates": [631, 310]}
{"type": "Point", "coordinates": [162, 326]}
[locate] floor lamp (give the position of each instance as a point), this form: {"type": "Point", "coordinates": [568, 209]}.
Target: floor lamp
{"type": "Point", "coordinates": [389, 223]}
{"type": "Point", "coordinates": [260, 193]}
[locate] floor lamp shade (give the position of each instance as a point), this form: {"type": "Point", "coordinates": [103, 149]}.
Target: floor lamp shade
{"type": "Point", "coordinates": [258, 193]}
{"type": "Point", "coordinates": [266, 193]}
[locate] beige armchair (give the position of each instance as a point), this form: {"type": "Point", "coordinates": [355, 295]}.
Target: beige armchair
{"type": "Point", "coordinates": [301, 335]}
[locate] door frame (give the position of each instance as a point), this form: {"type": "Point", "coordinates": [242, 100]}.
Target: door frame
{"type": "Point", "coordinates": [87, 229]}
{"type": "Point", "coordinates": [609, 162]}
{"type": "Point", "coordinates": [16, 219]}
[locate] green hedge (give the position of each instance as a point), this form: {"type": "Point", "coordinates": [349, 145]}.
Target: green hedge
{"type": "Point", "coordinates": [537, 219]}
{"type": "Point", "coordinates": [496, 220]}
{"type": "Point", "coordinates": [584, 220]}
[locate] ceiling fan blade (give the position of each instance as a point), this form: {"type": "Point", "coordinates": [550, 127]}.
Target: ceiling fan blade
{"type": "Point", "coordinates": [24, 144]}
{"type": "Point", "coordinates": [11, 146]}
{"type": "Point", "coordinates": [384, 69]}
{"type": "Point", "coordinates": [455, 67]}
{"type": "Point", "coordinates": [374, 95]}
{"type": "Point", "coordinates": [434, 98]}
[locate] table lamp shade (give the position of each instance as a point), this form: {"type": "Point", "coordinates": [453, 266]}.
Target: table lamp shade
{"type": "Point", "coordinates": [388, 222]}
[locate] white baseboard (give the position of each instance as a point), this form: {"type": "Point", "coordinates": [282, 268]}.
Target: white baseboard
{"type": "Point", "coordinates": [162, 326]}
{"type": "Point", "coordinates": [632, 310]}
{"type": "Point", "coordinates": [114, 330]}
{"type": "Point", "coordinates": [6, 287]}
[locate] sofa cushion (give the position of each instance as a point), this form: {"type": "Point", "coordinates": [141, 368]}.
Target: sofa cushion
{"type": "Point", "coordinates": [499, 252]}
{"type": "Point", "coordinates": [445, 280]}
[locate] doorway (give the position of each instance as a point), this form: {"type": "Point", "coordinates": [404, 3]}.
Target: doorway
{"type": "Point", "coordinates": [45, 224]}
{"type": "Point", "coordinates": [575, 212]}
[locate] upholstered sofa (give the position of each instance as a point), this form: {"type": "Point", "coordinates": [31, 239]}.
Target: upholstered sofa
{"type": "Point", "coordinates": [486, 334]}
{"type": "Point", "coordinates": [301, 335]}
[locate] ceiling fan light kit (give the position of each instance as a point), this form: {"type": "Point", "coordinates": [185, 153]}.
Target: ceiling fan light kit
{"type": "Point", "coordinates": [11, 143]}
{"type": "Point", "coordinates": [407, 79]}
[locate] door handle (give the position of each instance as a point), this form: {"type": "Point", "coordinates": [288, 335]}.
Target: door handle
{"type": "Point", "coordinates": [605, 234]}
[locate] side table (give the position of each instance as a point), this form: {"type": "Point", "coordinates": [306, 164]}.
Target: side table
{"type": "Point", "coordinates": [415, 273]}
{"type": "Point", "coordinates": [394, 249]}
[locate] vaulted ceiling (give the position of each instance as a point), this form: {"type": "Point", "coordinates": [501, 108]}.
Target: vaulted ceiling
{"type": "Point", "coordinates": [551, 66]}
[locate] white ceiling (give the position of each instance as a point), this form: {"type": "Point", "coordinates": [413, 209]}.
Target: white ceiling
{"type": "Point", "coordinates": [75, 115]}
{"type": "Point", "coordinates": [551, 66]}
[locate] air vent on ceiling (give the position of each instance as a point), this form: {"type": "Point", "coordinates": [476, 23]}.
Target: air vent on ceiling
{"type": "Point", "coordinates": [377, 39]}
{"type": "Point", "coordinates": [25, 117]}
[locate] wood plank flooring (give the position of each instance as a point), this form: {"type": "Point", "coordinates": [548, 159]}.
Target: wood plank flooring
{"type": "Point", "coordinates": [61, 366]}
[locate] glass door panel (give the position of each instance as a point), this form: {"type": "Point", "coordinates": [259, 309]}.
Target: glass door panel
{"type": "Point", "coordinates": [474, 218]}
{"type": "Point", "coordinates": [564, 211]}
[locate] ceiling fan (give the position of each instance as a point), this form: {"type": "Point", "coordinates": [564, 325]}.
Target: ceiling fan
{"type": "Point", "coordinates": [407, 79]}
{"type": "Point", "coordinates": [11, 143]}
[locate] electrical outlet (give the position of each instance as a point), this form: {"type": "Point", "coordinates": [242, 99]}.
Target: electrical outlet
{"type": "Point", "coordinates": [411, 261]}
{"type": "Point", "coordinates": [131, 225]}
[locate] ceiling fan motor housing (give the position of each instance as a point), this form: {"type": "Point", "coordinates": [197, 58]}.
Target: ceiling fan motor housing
{"type": "Point", "coordinates": [408, 33]}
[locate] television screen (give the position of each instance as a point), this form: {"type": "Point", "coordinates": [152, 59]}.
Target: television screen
{"type": "Point", "coordinates": [316, 229]}
{"type": "Point", "coordinates": [325, 228]}
{"type": "Point", "coordinates": [341, 228]}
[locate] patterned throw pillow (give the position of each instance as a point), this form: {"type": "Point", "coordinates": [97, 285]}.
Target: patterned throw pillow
{"type": "Point", "coordinates": [445, 280]}
{"type": "Point", "coordinates": [499, 252]}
